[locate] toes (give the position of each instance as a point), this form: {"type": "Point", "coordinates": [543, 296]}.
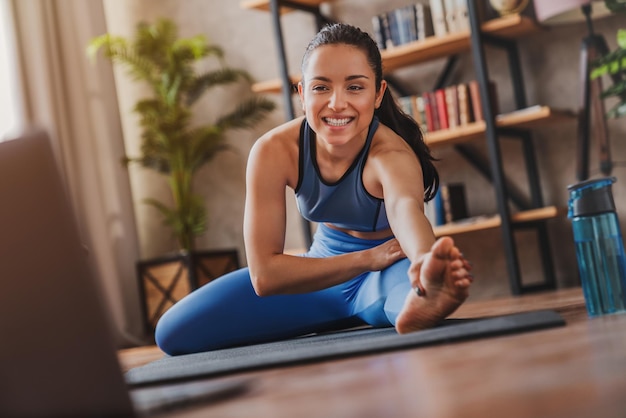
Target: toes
{"type": "Point", "coordinates": [463, 283]}
{"type": "Point", "coordinates": [461, 274]}
{"type": "Point", "coordinates": [457, 264]}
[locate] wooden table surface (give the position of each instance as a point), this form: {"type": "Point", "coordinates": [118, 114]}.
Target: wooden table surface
{"type": "Point", "coordinates": [578, 370]}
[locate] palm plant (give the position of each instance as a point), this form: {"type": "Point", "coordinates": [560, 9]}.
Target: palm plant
{"type": "Point", "coordinates": [170, 144]}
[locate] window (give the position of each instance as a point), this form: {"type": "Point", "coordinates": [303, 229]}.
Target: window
{"type": "Point", "coordinates": [10, 109]}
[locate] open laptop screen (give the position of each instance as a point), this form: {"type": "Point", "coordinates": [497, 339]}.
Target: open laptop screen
{"type": "Point", "coordinates": [57, 353]}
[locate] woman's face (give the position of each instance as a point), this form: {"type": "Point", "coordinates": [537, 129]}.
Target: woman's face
{"type": "Point", "coordinates": [338, 93]}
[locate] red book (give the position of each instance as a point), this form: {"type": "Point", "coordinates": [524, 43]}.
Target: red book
{"type": "Point", "coordinates": [428, 111]}
{"type": "Point", "coordinates": [442, 108]}
{"type": "Point", "coordinates": [477, 101]}
{"type": "Point", "coordinates": [434, 110]}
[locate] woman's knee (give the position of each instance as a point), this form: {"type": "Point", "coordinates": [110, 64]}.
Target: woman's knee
{"type": "Point", "coordinates": [195, 323]}
{"type": "Point", "coordinates": [164, 335]}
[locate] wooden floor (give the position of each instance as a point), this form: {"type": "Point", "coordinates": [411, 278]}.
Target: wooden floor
{"type": "Point", "coordinates": [574, 371]}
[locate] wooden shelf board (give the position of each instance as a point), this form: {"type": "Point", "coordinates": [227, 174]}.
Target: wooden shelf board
{"type": "Point", "coordinates": [425, 50]}
{"type": "Point", "coordinates": [534, 117]}
{"type": "Point", "coordinates": [433, 47]}
{"type": "Point", "coordinates": [455, 135]}
{"type": "Point", "coordinates": [273, 86]}
{"type": "Point", "coordinates": [512, 26]}
{"type": "Point", "coordinates": [489, 222]}
{"type": "Point", "coordinates": [265, 4]}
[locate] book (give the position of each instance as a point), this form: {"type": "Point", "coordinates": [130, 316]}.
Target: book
{"type": "Point", "coordinates": [384, 26]}
{"type": "Point", "coordinates": [401, 28]}
{"type": "Point", "coordinates": [449, 7]}
{"type": "Point", "coordinates": [520, 112]}
{"type": "Point", "coordinates": [439, 212]}
{"type": "Point", "coordinates": [462, 15]}
{"type": "Point", "coordinates": [402, 25]}
{"type": "Point", "coordinates": [477, 106]}
{"type": "Point", "coordinates": [423, 21]}
{"type": "Point", "coordinates": [418, 111]}
{"type": "Point", "coordinates": [394, 27]}
{"type": "Point", "coordinates": [453, 202]}
{"type": "Point", "coordinates": [452, 104]}
{"type": "Point", "coordinates": [442, 108]}
{"type": "Point", "coordinates": [406, 104]}
{"type": "Point", "coordinates": [430, 210]}
{"type": "Point", "coordinates": [476, 100]}
{"type": "Point", "coordinates": [379, 35]}
{"type": "Point", "coordinates": [429, 110]}
{"type": "Point", "coordinates": [438, 16]}
{"type": "Point", "coordinates": [411, 22]}
{"type": "Point", "coordinates": [465, 108]}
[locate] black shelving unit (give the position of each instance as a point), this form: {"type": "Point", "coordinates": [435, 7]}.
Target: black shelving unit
{"type": "Point", "coordinates": [478, 42]}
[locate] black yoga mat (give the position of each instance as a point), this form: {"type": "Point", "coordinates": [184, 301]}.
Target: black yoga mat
{"type": "Point", "coordinates": [333, 345]}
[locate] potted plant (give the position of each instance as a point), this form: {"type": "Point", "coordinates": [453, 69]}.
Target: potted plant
{"type": "Point", "coordinates": [173, 146]}
{"type": "Point", "coordinates": [614, 64]}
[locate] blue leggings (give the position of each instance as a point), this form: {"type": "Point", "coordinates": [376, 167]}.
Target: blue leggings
{"type": "Point", "coordinates": [227, 312]}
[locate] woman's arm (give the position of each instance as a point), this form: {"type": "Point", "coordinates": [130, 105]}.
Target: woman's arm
{"type": "Point", "coordinates": [395, 173]}
{"type": "Point", "coordinates": [272, 166]}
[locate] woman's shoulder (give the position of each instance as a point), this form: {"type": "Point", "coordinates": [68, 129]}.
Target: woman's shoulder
{"type": "Point", "coordinates": [279, 143]}
{"type": "Point", "coordinates": [282, 135]}
{"type": "Point", "coordinates": [386, 139]}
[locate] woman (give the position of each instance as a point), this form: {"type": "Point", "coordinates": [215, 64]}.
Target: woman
{"type": "Point", "coordinates": [359, 167]}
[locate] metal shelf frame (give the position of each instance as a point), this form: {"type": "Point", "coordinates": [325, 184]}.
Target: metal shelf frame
{"type": "Point", "coordinates": [478, 42]}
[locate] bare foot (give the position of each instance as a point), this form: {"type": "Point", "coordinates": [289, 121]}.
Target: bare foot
{"type": "Point", "coordinates": [444, 276]}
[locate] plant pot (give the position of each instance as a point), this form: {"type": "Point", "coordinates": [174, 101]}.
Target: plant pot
{"type": "Point", "coordinates": [163, 281]}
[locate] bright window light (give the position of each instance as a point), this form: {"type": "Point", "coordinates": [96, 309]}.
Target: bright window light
{"type": "Point", "coordinates": [10, 110]}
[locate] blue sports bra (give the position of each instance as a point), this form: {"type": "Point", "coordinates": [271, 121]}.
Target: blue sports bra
{"type": "Point", "coordinates": [345, 203]}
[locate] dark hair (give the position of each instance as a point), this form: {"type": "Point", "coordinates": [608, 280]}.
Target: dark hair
{"type": "Point", "coordinates": [389, 113]}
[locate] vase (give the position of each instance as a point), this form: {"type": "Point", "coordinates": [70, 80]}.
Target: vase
{"type": "Point", "coordinates": [507, 7]}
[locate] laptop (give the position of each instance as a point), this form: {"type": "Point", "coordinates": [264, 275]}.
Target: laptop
{"type": "Point", "coordinates": [57, 353]}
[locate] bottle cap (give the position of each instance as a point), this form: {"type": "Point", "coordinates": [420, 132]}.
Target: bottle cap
{"type": "Point", "coordinates": [591, 197]}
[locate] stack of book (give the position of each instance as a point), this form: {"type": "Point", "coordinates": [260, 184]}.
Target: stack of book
{"type": "Point", "coordinates": [402, 25]}
{"type": "Point", "coordinates": [448, 107]}
{"type": "Point", "coordinates": [420, 20]}
{"type": "Point", "coordinates": [449, 205]}
{"type": "Point", "coordinates": [449, 16]}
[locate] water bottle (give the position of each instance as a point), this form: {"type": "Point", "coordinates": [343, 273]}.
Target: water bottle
{"type": "Point", "coordinates": [599, 246]}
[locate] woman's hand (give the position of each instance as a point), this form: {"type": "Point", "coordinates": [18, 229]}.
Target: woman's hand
{"type": "Point", "coordinates": [385, 254]}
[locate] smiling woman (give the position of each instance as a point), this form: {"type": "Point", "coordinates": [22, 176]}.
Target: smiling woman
{"type": "Point", "coordinates": [359, 168]}
{"type": "Point", "coordinates": [10, 104]}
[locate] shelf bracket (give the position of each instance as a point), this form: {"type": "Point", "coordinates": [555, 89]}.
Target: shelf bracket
{"type": "Point", "coordinates": [476, 160]}
{"type": "Point", "coordinates": [444, 77]}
